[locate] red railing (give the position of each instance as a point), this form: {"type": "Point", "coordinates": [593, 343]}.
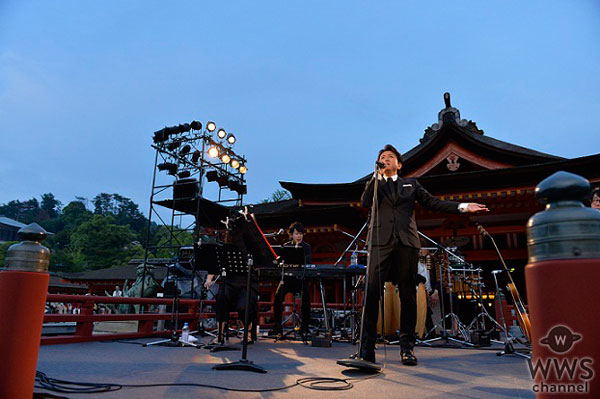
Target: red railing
{"type": "Point", "coordinates": [84, 329]}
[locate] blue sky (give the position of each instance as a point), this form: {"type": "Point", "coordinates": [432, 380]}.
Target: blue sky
{"type": "Point", "coordinates": [311, 89]}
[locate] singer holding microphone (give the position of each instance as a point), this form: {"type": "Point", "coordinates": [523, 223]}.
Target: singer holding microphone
{"type": "Point", "coordinates": [395, 247]}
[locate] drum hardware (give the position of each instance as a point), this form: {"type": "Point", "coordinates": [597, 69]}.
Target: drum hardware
{"type": "Point", "coordinates": [456, 327]}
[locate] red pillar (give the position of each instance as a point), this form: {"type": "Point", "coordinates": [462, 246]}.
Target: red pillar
{"type": "Point", "coordinates": [22, 303]}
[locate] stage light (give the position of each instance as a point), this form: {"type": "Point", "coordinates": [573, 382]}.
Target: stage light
{"type": "Point", "coordinates": [210, 126]}
{"type": "Point", "coordinates": [223, 180]}
{"type": "Point", "coordinates": [225, 158]}
{"type": "Point", "coordinates": [161, 135]}
{"type": "Point", "coordinates": [184, 174]}
{"type": "Point", "coordinates": [213, 152]}
{"type": "Point", "coordinates": [243, 169]}
{"type": "Point", "coordinates": [221, 133]}
{"type": "Point", "coordinates": [195, 156]}
{"type": "Point", "coordinates": [237, 186]}
{"type": "Point", "coordinates": [212, 175]}
{"type": "Point", "coordinates": [171, 168]}
{"type": "Point", "coordinates": [235, 163]}
{"type": "Point", "coordinates": [185, 149]}
{"type": "Point", "coordinates": [195, 125]}
{"type": "Point", "coordinates": [230, 138]}
{"type": "Point", "coordinates": [172, 145]}
{"type": "Point", "coordinates": [184, 128]}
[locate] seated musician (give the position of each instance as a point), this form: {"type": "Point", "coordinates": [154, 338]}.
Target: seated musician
{"type": "Point", "coordinates": [427, 275]}
{"type": "Point", "coordinates": [231, 295]}
{"type": "Point", "coordinates": [294, 285]}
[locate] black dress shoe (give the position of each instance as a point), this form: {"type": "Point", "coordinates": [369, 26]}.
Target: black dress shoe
{"type": "Point", "coordinates": [408, 358]}
{"type": "Point", "coordinates": [368, 355]}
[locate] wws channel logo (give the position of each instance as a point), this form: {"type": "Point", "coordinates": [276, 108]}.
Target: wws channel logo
{"type": "Point", "coordinates": [561, 373]}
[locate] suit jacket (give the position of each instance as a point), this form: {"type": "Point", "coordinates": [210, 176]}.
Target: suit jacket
{"type": "Point", "coordinates": [397, 209]}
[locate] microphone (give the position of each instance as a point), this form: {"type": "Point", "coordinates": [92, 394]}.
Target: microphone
{"type": "Point", "coordinates": [497, 271]}
{"type": "Point", "coordinates": [380, 165]}
{"type": "Point", "coordinates": [482, 230]}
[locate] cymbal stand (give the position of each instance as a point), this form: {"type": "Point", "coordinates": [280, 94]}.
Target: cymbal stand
{"type": "Point", "coordinates": [354, 239]}
{"type": "Point", "coordinates": [456, 326]}
{"type": "Point", "coordinates": [479, 320]}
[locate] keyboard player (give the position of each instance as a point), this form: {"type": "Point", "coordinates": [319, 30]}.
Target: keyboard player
{"type": "Point", "coordinates": [294, 284]}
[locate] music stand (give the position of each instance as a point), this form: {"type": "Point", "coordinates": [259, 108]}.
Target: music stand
{"type": "Point", "coordinates": [224, 260]}
{"type": "Point", "coordinates": [257, 243]}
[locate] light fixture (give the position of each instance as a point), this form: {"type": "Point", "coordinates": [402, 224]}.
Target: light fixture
{"type": "Point", "coordinates": [230, 138]}
{"type": "Point", "coordinates": [171, 168]}
{"type": "Point", "coordinates": [243, 169]}
{"type": "Point", "coordinates": [173, 144]}
{"type": "Point", "coordinates": [184, 174]}
{"type": "Point", "coordinates": [237, 186]}
{"type": "Point", "coordinates": [185, 149]}
{"type": "Point", "coordinates": [221, 133]}
{"type": "Point", "coordinates": [210, 126]}
{"type": "Point", "coordinates": [195, 156]}
{"type": "Point", "coordinates": [225, 158]}
{"type": "Point", "coordinates": [161, 135]}
{"type": "Point", "coordinates": [235, 163]}
{"type": "Point", "coordinates": [184, 128]}
{"type": "Point", "coordinates": [195, 125]}
{"type": "Point", "coordinates": [212, 175]}
{"type": "Point", "coordinates": [213, 152]}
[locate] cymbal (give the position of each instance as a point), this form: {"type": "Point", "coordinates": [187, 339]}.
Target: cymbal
{"type": "Point", "coordinates": [456, 241]}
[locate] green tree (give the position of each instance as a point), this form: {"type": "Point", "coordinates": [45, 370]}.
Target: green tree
{"type": "Point", "coordinates": [3, 248]}
{"type": "Point", "coordinates": [102, 243]}
{"type": "Point", "coordinates": [278, 195]}
{"type": "Point", "coordinates": [50, 206]}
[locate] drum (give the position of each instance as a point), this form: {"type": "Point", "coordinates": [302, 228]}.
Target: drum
{"type": "Point", "coordinates": [392, 308]}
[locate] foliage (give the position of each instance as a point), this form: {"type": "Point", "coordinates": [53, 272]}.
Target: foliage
{"type": "Point", "coordinates": [278, 195]}
{"type": "Point", "coordinates": [81, 239]}
{"type": "Point", "coordinates": [3, 248]}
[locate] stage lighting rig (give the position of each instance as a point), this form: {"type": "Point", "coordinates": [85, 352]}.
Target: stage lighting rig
{"type": "Point", "coordinates": [190, 149]}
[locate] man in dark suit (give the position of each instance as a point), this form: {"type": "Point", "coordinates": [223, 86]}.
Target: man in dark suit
{"type": "Point", "coordinates": [395, 247]}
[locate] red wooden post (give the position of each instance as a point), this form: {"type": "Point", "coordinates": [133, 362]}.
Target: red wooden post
{"type": "Point", "coordinates": [23, 289]}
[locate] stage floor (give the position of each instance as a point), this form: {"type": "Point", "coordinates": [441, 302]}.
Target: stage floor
{"type": "Point", "coordinates": [441, 373]}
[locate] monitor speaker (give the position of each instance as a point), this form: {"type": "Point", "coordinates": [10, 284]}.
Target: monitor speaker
{"type": "Point", "coordinates": [185, 188]}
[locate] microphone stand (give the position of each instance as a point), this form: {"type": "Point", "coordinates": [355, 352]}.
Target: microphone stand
{"type": "Point", "coordinates": [355, 238]}
{"type": "Point", "coordinates": [357, 362]}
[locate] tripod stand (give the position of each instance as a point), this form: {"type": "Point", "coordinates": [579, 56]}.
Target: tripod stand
{"type": "Point", "coordinates": [175, 339]}
{"type": "Point", "coordinates": [456, 326]}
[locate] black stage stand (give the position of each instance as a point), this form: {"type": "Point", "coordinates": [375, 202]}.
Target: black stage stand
{"type": "Point", "coordinates": [175, 339]}
{"type": "Point", "coordinates": [244, 364]}
{"type": "Point", "coordinates": [355, 361]}
{"type": "Point", "coordinates": [257, 243]}
{"type": "Point", "coordinates": [229, 261]}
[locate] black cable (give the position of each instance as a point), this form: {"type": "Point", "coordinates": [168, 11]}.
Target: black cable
{"type": "Point", "coordinates": [63, 386]}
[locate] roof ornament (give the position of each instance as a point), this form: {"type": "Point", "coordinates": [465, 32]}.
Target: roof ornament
{"type": "Point", "coordinates": [449, 115]}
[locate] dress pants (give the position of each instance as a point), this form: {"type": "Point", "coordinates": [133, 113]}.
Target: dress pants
{"type": "Point", "coordinates": [397, 263]}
